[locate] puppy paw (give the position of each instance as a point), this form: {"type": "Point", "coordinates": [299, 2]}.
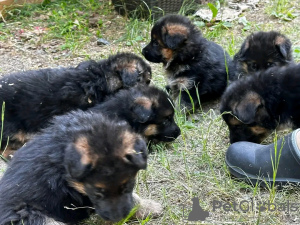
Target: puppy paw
{"type": "Point", "coordinates": [147, 207]}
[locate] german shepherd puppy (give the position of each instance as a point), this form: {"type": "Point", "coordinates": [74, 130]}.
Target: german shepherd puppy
{"type": "Point", "coordinates": [33, 97]}
{"type": "Point", "coordinates": [255, 106]}
{"type": "Point", "coordinates": [192, 63]}
{"type": "Point", "coordinates": [262, 50]}
{"type": "Point", "coordinates": [120, 70]}
{"type": "Point", "coordinates": [83, 163]}
{"type": "Point", "coordinates": [147, 109]}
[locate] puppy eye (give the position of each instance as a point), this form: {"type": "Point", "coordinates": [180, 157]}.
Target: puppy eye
{"type": "Point", "coordinates": [100, 193]}
{"type": "Point", "coordinates": [167, 120]}
{"type": "Point", "coordinates": [124, 188]}
{"type": "Point", "coordinates": [139, 79]}
{"type": "Point", "coordinates": [270, 64]}
{"type": "Point", "coordinates": [155, 43]}
{"type": "Point", "coordinates": [253, 66]}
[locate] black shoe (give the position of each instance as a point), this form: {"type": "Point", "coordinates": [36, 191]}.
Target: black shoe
{"type": "Point", "coordinates": [253, 162]}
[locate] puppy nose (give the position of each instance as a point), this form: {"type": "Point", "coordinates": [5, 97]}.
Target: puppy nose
{"type": "Point", "coordinates": [144, 51]}
{"type": "Point", "coordinates": [177, 132]}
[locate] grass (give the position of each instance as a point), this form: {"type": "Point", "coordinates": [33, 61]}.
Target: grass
{"type": "Point", "coordinates": [1, 134]}
{"type": "Point", "coordinates": [69, 20]}
{"type": "Point", "coordinates": [193, 165]}
{"type": "Point", "coordinates": [275, 165]}
{"type": "Point", "coordinates": [137, 31]}
{"type": "Point", "coordinates": [282, 9]}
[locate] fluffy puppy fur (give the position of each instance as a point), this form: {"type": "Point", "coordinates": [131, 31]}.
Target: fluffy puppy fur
{"type": "Point", "coordinates": [33, 97]}
{"type": "Point", "coordinates": [192, 63]}
{"type": "Point", "coordinates": [84, 161]}
{"type": "Point", "coordinates": [262, 50]}
{"type": "Point", "coordinates": [147, 109]}
{"type": "Point", "coordinates": [257, 105]}
{"type": "Point", "coordinates": [120, 70]}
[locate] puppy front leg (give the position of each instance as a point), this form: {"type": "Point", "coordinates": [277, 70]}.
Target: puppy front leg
{"type": "Point", "coordinates": [146, 207]}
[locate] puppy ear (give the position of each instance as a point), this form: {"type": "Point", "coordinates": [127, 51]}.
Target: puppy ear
{"type": "Point", "coordinates": [78, 159]}
{"type": "Point", "coordinates": [137, 157]}
{"type": "Point", "coordinates": [87, 65]}
{"type": "Point", "coordinates": [246, 112]}
{"type": "Point", "coordinates": [84, 94]}
{"type": "Point", "coordinates": [244, 49]}
{"type": "Point", "coordinates": [250, 109]}
{"type": "Point", "coordinates": [129, 77]}
{"type": "Point", "coordinates": [142, 109]}
{"type": "Point", "coordinates": [174, 35]}
{"type": "Point", "coordinates": [283, 45]}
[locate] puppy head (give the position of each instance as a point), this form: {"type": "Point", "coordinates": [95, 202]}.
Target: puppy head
{"type": "Point", "coordinates": [131, 69]}
{"type": "Point", "coordinates": [102, 164]}
{"type": "Point", "coordinates": [170, 35]}
{"type": "Point", "coordinates": [154, 113]}
{"type": "Point", "coordinates": [246, 116]}
{"type": "Point", "coordinates": [262, 50]}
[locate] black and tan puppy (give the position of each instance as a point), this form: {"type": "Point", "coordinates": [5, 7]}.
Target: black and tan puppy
{"type": "Point", "coordinates": [147, 109]}
{"type": "Point", "coordinates": [120, 70]}
{"type": "Point", "coordinates": [33, 97]}
{"type": "Point", "coordinates": [257, 105]}
{"type": "Point", "coordinates": [83, 163]}
{"type": "Point", "coordinates": [192, 63]}
{"type": "Point", "coordinates": [262, 50]}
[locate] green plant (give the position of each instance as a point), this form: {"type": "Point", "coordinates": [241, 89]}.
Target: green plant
{"type": "Point", "coordinates": [226, 67]}
{"type": "Point", "coordinates": [282, 9]}
{"type": "Point", "coordinates": [4, 31]}
{"type": "Point", "coordinates": [275, 164]}
{"type": "Point", "coordinates": [137, 28]}
{"type": "Point", "coordinates": [69, 21]}
{"type": "Point", "coordinates": [188, 7]}
{"type": "Point", "coordinates": [215, 29]}
{"type": "Point", "coordinates": [214, 9]}
{"type": "Point", "coordinates": [136, 31]}
{"type": "Point", "coordinates": [247, 25]}
{"type": "Point", "coordinates": [132, 212]}
{"type": "Point", "coordinates": [1, 135]}
{"type": "Point", "coordinates": [231, 47]}
{"type": "Point", "coordinates": [297, 52]}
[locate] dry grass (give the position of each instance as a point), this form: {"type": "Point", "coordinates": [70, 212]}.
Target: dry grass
{"type": "Point", "coordinates": [193, 165]}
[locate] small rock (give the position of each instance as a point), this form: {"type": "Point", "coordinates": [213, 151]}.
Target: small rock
{"type": "Point", "coordinates": [32, 47]}
{"type": "Point", "coordinates": [93, 39]}
{"type": "Point", "coordinates": [102, 41]}
{"type": "Point", "coordinates": [230, 13]}
{"type": "Point", "coordinates": [53, 50]}
{"type": "Point", "coordinates": [41, 52]}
